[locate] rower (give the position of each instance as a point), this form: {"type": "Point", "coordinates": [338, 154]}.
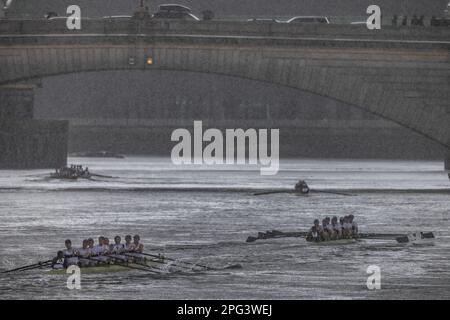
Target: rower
{"type": "Point", "coordinates": [107, 248]}
{"type": "Point", "coordinates": [337, 227]}
{"type": "Point", "coordinates": [117, 249]}
{"type": "Point", "coordinates": [117, 246]}
{"type": "Point", "coordinates": [354, 225]}
{"type": "Point", "coordinates": [58, 261]}
{"type": "Point", "coordinates": [84, 253]}
{"type": "Point", "coordinates": [329, 228]}
{"type": "Point", "coordinates": [138, 247]}
{"type": "Point", "coordinates": [91, 245]}
{"type": "Point", "coordinates": [70, 254]}
{"type": "Point", "coordinates": [128, 245]}
{"type": "Point", "coordinates": [99, 250]}
{"type": "Point", "coordinates": [347, 228]}
{"type": "Point", "coordinates": [326, 235]}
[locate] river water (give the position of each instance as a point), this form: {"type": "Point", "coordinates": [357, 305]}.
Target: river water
{"type": "Point", "coordinates": [204, 215]}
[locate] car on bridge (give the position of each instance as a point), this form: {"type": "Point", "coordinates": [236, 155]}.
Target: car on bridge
{"type": "Point", "coordinates": [309, 20]}
{"type": "Point", "coordinates": [174, 11]}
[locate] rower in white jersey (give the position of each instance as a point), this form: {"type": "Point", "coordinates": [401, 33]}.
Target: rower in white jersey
{"type": "Point", "coordinates": [118, 250]}
{"type": "Point", "coordinates": [100, 250]}
{"type": "Point", "coordinates": [83, 254]}
{"type": "Point", "coordinates": [136, 248]}
{"type": "Point", "coordinates": [70, 254]}
{"type": "Point", "coordinates": [329, 228]}
{"type": "Point", "coordinates": [128, 245]}
{"type": "Point", "coordinates": [118, 247]}
{"type": "Point", "coordinates": [106, 246]}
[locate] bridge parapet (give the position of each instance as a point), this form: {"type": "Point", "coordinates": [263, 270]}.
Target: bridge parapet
{"type": "Point", "coordinates": [228, 28]}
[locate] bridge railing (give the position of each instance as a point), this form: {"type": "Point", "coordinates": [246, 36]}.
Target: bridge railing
{"type": "Point", "coordinates": [220, 27]}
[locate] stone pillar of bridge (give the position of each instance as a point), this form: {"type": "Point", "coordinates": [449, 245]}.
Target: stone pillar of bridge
{"type": "Point", "coordinates": [25, 142]}
{"type": "Point", "coordinates": [447, 163]}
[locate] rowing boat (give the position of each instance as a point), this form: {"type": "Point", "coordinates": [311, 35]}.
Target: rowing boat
{"type": "Point", "coordinates": [416, 238]}
{"type": "Point", "coordinates": [334, 242]}
{"type": "Point", "coordinates": [157, 265]}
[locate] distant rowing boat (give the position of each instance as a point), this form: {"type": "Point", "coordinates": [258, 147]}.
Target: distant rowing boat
{"type": "Point", "coordinates": [417, 238]}
{"type": "Point", "coordinates": [69, 177]}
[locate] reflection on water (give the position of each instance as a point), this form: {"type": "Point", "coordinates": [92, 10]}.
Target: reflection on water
{"type": "Point", "coordinates": [174, 213]}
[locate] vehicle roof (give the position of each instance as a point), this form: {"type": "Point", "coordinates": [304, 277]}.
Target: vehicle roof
{"type": "Point", "coordinates": [169, 6]}
{"type": "Point", "coordinates": [308, 17]}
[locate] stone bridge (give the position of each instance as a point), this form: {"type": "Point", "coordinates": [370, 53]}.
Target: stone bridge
{"type": "Point", "coordinates": [398, 73]}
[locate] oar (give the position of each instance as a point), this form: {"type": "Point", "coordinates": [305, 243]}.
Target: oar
{"type": "Point", "coordinates": [157, 261]}
{"type": "Point", "coordinates": [28, 267]}
{"type": "Point", "coordinates": [187, 263]}
{"type": "Point", "coordinates": [44, 264]}
{"type": "Point", "coordinates": [162, 262]}
{"type": "Point", "coordinates": [35, 267]}
{"type": "Point", "coordinates": [276, 234]}
{"type": "Point", "coordinates": [272, 192]}
{"type": "Point", "coordinates": [379, 235]}
{"type": "Point", "coordinates": [298, 192]}
{"type": "Point", "coordinates": [333, 192]}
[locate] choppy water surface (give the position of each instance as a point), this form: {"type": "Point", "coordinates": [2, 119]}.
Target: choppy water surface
{"type": "Point", "coordinates": [205, 216]}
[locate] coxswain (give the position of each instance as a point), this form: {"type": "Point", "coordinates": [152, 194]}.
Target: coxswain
{"type": "Point", "coordinates": [302, 187]}
{"type": "Point", "coordinates": [58, 261]}
{"type": "Point", "coordinates": [315, 233]}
